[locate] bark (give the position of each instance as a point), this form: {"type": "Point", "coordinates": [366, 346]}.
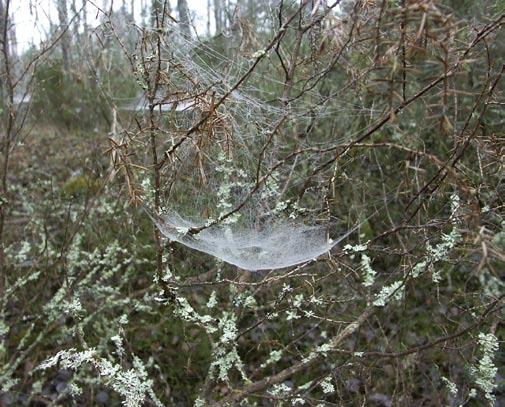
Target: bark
{"type": "Point", "coordinates": [2, 25]}
{"type": "Point", "coordinates": [65, 39]}
{"type": "Point", "coordinates": [218, 15]}
{"type": "Point", "coordinates": [303, 365]}
{"type": "Point", "coordinates": [156, 10]}
{"type": "Point", "coordinates": [182, 8]}
{"type": "Point", "coordinates": [76, 25]}
{"type": "Point", "coordinates": [251, 9]}
{"type": "Point", "coordinates": [85, 18]}
{"type": "Point", "coordinates": [13, 43]}
{"type": "Point", "coordinates": [208, 17]}
{"type": "Point", "coordinates": [7, 125]}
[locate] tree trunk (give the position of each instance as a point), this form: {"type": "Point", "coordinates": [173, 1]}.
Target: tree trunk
{"type": "Point", "coordinates": [2, 25]}
{"type": "Point", "coordinates": [251, 9]}
{"type": "Point", "coordinates": [85, 19]}
{"type": "Point", "coordinates": [65, 39]}
{"type": "Point", "coordinates": [182, 9]}
{"type": "Point", "coordinates": [218, 15]}
{"type": "Point", "coordinates": [208, 18]}
{"type": "Point", "coordinates": [7, 123]}
{"type": "Point", "coordinates": [76, 25]}
{"type": "Point", "coordinates": [156, 9]}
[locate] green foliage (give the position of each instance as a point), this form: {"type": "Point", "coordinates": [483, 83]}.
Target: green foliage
{"type": "Point", "coordinates": [60, 98]}
{"type": "Point", "coordinates": [80, 185]}
{"type": "Point", "coordinates": [74, 98]}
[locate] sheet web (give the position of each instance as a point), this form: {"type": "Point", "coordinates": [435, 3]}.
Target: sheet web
{"type": "Point", "coordinates": [233, 185]}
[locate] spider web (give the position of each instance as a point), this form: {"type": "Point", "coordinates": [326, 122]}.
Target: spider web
{"type": "Point", "coordinates": [230, 191]}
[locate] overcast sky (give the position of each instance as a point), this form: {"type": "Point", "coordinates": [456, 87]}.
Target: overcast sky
{"type": "Point", "coordinates": [32, 17]}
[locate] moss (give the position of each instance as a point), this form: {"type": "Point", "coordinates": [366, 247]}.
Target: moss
{"type": "Point", "coordinates": [80, 186]}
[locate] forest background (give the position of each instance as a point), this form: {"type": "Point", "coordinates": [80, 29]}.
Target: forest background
{"type": "Point", "coordinates": [285, 203]}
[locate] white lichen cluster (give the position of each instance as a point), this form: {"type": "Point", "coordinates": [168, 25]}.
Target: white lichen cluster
{"type": "Point", "coordinates": [133, 384]}
{"type": "Point", "coordinates": [368, 272]}
{"type": "Point", "coordinates": [233, 179]}
{"type": "Point", "coordinates": [186, 312]}
{"type": "Point", "coordinates": [492, 285]}
{"type": "Point", "coordinates": [434, 254]}
{"type": "Point", "coordinates": [147, 193]}
{"type": "Point", "coordinates": [327, 385]}
{"type": "Point", "coordinates": [484, 372]}
{"type": "Point", "coordinates": [199, 402]}
{"type": "Point", "coordinates": [225, 351]}
{"type": "Point", "coordinates": [243, 299]}
{"type": "Point", "coordinates": [365, 262]}
{"type": "Point", "coordinates": [100, 267]}
{"type": "Point", "coordinates": [20, 283]}
{"type": "Point", "coordinates": [280, 390]}
{"type": "Point", "coordinates": [68, 359]}
{"type": "Point", "coordinates": [321, 350]}
{"type": "Point", "coordinates": [442, 250]}
{"type": "Point", "coordinates": [258, 54]}
{"type": "Point", "coordinates": [22, 255]}
{"type": "Point", "coordinates": [212, 302]}
{"type": "Point", "coordinates": [274, 357]}
{"type": "Point", "coordinates": [355, 249]}
{"type": "Point", "coordinates": [451, 386]}
{"type": "Point", "coordinates": [296, 308]}
{"type": "Point", "coordinates": [88, 274]}
{"type": "Point", "coordinates": [393, 291]}
{"type": "Point", "coordinates": [89, 296]}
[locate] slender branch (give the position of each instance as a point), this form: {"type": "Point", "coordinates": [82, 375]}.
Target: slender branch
{"type": "Point", "coordinates": [316, 357]}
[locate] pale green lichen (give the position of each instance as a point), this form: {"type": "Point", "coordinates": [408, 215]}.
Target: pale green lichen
{"type": "Point", "coordinates": [419, 268]}
{"type": "Point", "coordinates": [368, 272]}
{"type": "Point", "coordinates": [212, 302]}
{"type": "Point", "coordinates": [321, 350]}
{"type": "Point", "coordinates": [442, 250]}
{"type": "Point", "coordinates": [258, 54]}
{"type": "Point", "coordinates": [223, 361]}
{"type": "Point", "coordinates": [292, 314]}
{"type": "Point", "coordinates": [492, 286]}
{"type": "Point", "coordinates": [280, 390]}
{"type": "Point", "coordinates": [118, 342]}
{"type": "Point", "coordinates": [225, 355]}
{"type": "Point", "coordinates": [451, 387]}
{"type": "Point", "coordinates": [274, 357]}
{"type": "Point", "coordinates": [199, 402]}
{"type": "Point", "coordinates": [186, 312]}
{"type": "Point", "coordinates": [147, 191]}
{"type": "Point", "coordinates": [68, 359]}
{"type": "Point", "coordinates": [232, 179]}
{"type": "Point", "coordinates": [23, 252]}
{"type": "Point", "coordinates": [244, 299]}
{"type": "Point", "coordinates": [391, 292]}
{"type": "Point", "coordinates": [133, 384]}
{"type": "Point", "coordinates": [355, 249]}
{"type": "Point", "coordinates": [305, 386]}
{"type": "Point", "coordinates": [327, 385]}
{"type": "Point", "coordinates": [484, 372]}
